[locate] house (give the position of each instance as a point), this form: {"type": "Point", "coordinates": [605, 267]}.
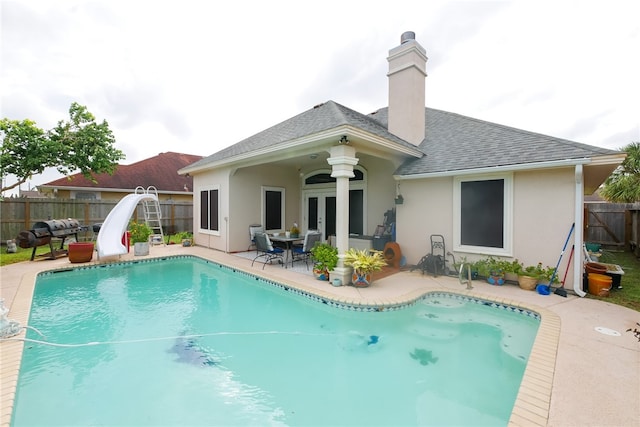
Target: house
{"type": "Point", "coordinates": [159, 171]}
{"type": "Point", "coordinates": [487, 189]}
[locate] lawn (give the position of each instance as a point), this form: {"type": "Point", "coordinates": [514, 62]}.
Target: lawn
{"type": "Point", "coordinates": [629, 295]}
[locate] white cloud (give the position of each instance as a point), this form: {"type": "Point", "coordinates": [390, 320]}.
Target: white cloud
{"type": "Point", "coordinates": [195, 77]}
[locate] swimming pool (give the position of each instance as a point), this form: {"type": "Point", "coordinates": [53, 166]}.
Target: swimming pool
{"type": "Point", "coordinates": [192, 342]}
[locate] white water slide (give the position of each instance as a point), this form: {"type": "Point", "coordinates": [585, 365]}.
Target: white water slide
{"type": "Point", "coordinates": [109, 240]}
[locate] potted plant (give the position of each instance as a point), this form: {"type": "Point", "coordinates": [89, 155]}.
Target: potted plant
{"type": "Point", "coordinates": [140, 233]}
{"type": "Point", "coordinates": [528, 276]}
{"type": "Point", "coordinates": [511, 270]}
{"type": "Point", "coordinates": [363, 262]}
{"type": "Point", "coordinates": [295, 231]}
{"type": "Point", "coordinates": [325, 259]}
{"type": "Point", "coordinates": [186, 238]}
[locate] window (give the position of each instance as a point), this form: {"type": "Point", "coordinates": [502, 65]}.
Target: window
{"type": "Point", "coordinates": [273, 208]}
{"type": "Point", "coordinates": [210, 210]}
{"type": "Point", "coordinates": [483, 212]}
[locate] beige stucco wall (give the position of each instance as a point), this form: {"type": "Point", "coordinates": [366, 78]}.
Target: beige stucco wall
{"type": "Point", "coordinates": [207, 181]}
{"type": "Point", "coordinates": [380, 191]}
{"type": "Point", "coordinates": [542, 200]}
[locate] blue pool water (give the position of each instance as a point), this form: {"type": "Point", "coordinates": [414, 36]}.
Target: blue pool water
{"type": "Point", "coordinates": [186, 342]}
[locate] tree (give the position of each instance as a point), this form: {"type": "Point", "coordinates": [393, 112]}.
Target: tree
{"type": "Point", "coordinates": [77, 144]}
{"type": "Point", "coordinates": [623, 185]}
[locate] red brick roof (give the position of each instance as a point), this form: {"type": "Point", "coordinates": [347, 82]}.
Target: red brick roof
{"type": "Point", "coordinates": [160, 171]}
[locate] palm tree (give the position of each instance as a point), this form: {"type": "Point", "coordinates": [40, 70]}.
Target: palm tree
{"type": "Point", "coordinates": [623, 185]}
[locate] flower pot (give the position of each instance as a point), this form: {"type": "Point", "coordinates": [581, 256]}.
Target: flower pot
{"type": "Point", "coordinates": [361, 280]}
{"type": "Point", "coordinates": [321, 274]}
{"type": "Point", "coordinates": [336, 282]}
{"type": "Point", "coordinates": [80, 252]}
{"type": "Point", "coordinates": [527, 283]}
{"type": "Point", "coordinates": [187, 242]}
{"type": "Point", "coordinates": [496, 279]}
{"type": "Point", "coordinates": [141, 248]}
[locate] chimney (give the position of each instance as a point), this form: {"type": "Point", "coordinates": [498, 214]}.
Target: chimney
{"type": "Point", "coordinates": [407, 72]}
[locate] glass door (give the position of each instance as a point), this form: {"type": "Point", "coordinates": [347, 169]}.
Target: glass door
{"type": "Point", "coordinates": [320, 213]}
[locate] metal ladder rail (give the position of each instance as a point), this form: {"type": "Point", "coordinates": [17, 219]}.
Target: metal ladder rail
{"type": "Point", "coordinates": [153, 215]}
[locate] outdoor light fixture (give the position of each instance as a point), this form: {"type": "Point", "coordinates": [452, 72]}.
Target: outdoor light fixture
{"type": "Point", "coordinates": [313, 156]}
{"type": "Point", "coordinates": [344, 140]}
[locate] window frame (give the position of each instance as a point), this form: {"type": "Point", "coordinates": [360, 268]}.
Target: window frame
{"type": "Point", "coordinates": [507, 223]}
{"type": "Point", "coordinates": [263, 208]}
{"type": "Point", "coordinates": [209, 190]}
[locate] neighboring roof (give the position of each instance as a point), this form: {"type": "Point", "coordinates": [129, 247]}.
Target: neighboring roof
{"type": "Point", "coordinates": [320, 118]}
{"type": "Point", "coordinates": [454, 142]}
{"type": "Point", "coordinates": [160, 171]}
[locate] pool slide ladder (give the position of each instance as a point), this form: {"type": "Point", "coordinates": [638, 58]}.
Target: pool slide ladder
{"type": "Point", "coordinates": [109, 241]}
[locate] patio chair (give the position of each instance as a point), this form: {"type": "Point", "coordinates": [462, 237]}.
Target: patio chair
{"type": "Point", "coordinates": [266, 250]}
{"type": "Point", "coordinates": [253, 229]}
{"type": "Point", "coordinates": [303, 252]}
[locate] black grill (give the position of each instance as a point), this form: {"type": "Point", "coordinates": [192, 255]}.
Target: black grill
{"type": "Point", "coordinates": [43, 231]}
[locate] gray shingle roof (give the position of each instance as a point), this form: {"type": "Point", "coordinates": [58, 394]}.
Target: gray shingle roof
{"type": "Point", "coordinates": [455, 142]}
{"type": "Point", "coordinates": [320, 118]}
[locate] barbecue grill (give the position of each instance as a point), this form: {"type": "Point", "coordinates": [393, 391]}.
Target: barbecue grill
{"type": "Point", "coordinates": [44, 231]}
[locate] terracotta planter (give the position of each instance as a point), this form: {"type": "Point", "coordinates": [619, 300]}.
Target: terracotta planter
{"type": "Point", "coordinates": [80, 252]}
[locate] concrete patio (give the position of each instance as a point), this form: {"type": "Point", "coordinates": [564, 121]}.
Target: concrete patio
{"type": "Point", "coordinates": [580, 371]}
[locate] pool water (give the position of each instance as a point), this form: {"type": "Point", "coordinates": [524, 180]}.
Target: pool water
{"type": "Point", "coordinates": [187, 342]}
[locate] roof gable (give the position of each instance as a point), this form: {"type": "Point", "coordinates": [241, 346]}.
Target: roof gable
{"type": "Point", "coordinates": [320, 118]}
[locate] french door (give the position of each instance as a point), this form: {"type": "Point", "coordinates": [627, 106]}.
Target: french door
{"type": "Point", "coordinates": [320, 212]}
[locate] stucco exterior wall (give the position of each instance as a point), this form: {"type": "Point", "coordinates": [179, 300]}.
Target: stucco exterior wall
{"type": "Point", "coordinates": [245, 201]}
{"type": "Point", "coordinates": [207, 181]}
{"type": "Point", "coordinates": [380, 191]}
{"type": "Point", "coordinates": [542, 200]}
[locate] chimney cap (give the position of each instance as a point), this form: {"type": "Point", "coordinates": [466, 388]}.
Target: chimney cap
{"type": "Point", "coordinates": [407, 36]}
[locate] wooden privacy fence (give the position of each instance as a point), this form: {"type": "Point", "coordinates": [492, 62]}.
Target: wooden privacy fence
{"type": "Point", "coordinates": [21, 214]}
{"type": "Point", "coordinates": [614, 225]}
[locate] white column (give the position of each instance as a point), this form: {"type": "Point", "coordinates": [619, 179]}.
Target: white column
{"type": "Point", "coordinates": [342, 160]}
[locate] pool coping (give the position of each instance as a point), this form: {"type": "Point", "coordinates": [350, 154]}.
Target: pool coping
{"type": "Point", "coordinates": [532, 403]}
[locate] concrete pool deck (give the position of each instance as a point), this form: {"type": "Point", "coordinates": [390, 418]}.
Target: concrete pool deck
{"type": "Point", "coordinates": [576, 376]}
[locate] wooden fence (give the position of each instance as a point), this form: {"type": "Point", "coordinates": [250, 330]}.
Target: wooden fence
{"type": "Point", "coordinates": [20, 214]}
{"type": "Point", "coordinates": [613, 225]}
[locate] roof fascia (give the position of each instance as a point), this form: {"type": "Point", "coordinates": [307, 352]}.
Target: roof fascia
{"type": "Point", "coordinates": [498, 169]}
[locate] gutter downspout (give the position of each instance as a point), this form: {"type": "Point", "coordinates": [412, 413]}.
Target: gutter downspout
{"type": "Point", "coordinates": [579, 220]}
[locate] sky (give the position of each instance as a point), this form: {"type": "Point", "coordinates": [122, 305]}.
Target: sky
{"type": "Point", "coordinates": [197, 76]}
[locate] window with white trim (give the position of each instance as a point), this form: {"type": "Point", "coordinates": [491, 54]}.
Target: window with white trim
{"type": "Point", "coordinates": [273, 203]}
{"type": "Point", "coordinates": [483, 214]}
{"type": "Point", "coordinates": [210, 210]}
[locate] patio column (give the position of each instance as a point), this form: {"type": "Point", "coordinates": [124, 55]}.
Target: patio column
{"type": "Point", "coordinates": [342, 159]}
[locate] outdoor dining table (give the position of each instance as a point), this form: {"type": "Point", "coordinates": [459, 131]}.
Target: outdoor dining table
{"type": "Point", "coordinates": [288, 241]}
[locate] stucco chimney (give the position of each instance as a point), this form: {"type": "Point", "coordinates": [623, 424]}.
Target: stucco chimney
{"type": "Point", "coordinates": [407, 72]}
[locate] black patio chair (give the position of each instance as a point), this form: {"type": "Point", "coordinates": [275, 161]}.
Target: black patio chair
{"type": "Point", "coordinates": [303, 252]}
{"type": "Point", "coordinates": [266, 250]}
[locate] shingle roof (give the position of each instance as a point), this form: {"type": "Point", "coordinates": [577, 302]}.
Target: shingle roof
{"type": "Point", "coordinates": [322, 117]}
{"type": "Point", "coordinates": [159, 171]}
{"type": "Point", "coordinates": [455, 142]}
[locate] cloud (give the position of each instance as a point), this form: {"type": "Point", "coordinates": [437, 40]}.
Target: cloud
{"type": "Point", "coordinates": [200, 76]}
